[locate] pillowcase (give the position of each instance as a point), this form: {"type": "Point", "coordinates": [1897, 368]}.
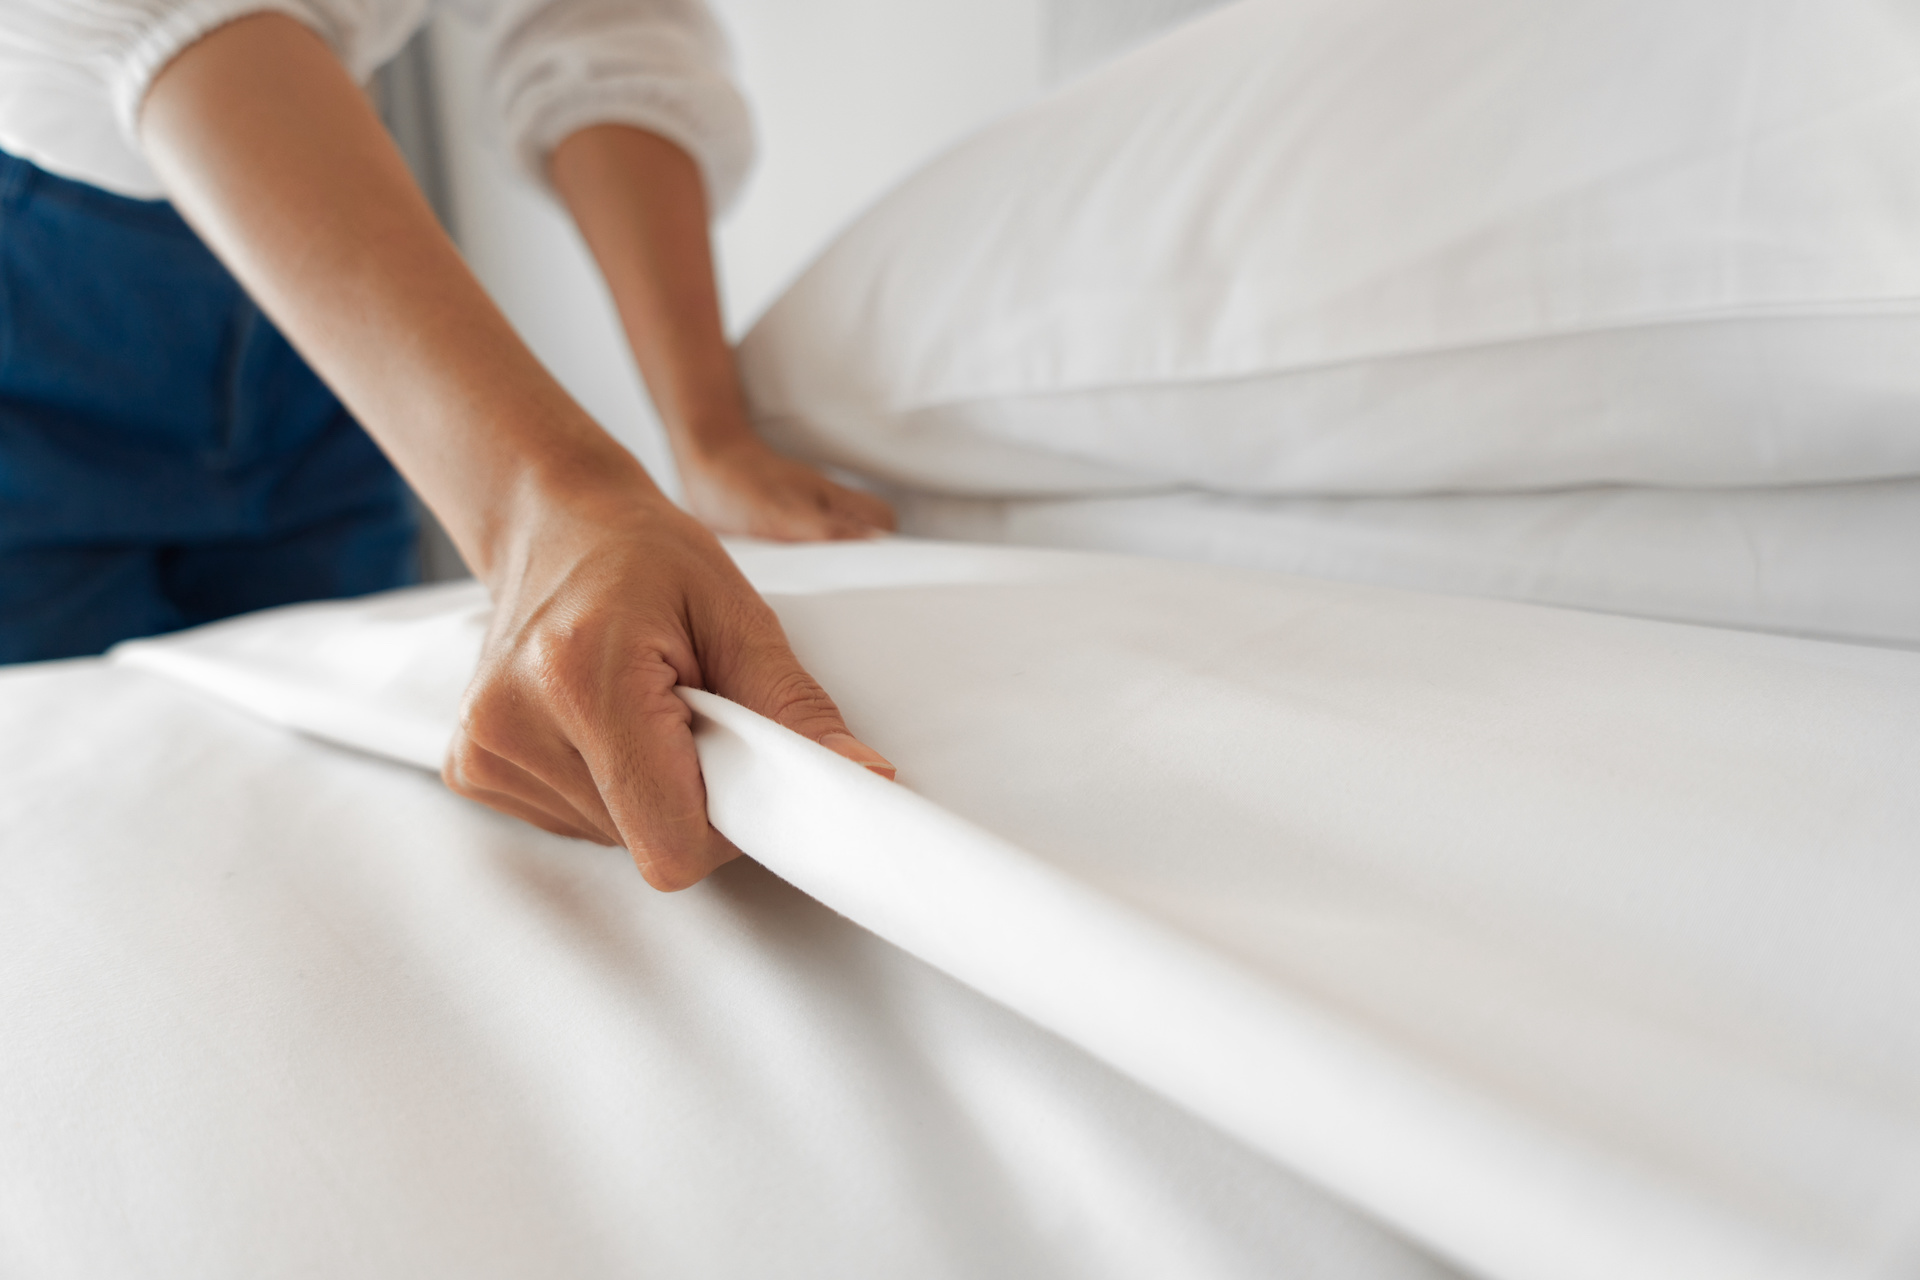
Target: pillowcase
{"type": "Point", "coordinates": [1395, 246]}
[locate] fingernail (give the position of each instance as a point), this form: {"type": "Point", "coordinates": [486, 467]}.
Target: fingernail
{"type": "Point", "coordinates": [845, 744]}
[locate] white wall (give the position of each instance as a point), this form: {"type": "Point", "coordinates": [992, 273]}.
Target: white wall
{"type": "Point", "coordinates": [848, 95]}
{"type": "Point", "coordinates": [1082, 34]}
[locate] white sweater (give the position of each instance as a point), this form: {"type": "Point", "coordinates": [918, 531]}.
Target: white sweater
{"type": "Point", "coordinates": [73, 74]}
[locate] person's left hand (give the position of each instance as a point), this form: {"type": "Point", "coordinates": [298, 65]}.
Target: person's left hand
{"type": "Point", "coordinates": [744, 487]}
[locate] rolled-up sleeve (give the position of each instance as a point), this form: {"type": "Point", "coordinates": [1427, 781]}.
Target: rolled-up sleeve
{"type": "Point", "coordinates": [125, 43]}
{"type": "Point", "coordinates": [559, 66]}
{"type": "Point", "coordinates": [73, 74]}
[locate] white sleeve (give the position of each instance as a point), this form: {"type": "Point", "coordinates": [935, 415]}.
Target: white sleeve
{"type": "Point", "coordinates": [73, 73]}
{"type": "Point", "coordinates": [557, 66]}
{"type": "Point", "coordinates": [120, 45]}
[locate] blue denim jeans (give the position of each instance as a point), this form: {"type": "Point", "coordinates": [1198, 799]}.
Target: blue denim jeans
{"type": "Point", "coordinates": [166, 457]}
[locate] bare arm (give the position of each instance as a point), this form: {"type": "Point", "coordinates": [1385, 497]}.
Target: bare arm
{"type": "Point", "coordinates": [640, 203]}
{"type": "Point", "coordinates": [605, 595]}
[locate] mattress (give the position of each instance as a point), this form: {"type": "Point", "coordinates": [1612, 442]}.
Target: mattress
{"type": "Point", "coordinates": [1559, 945]}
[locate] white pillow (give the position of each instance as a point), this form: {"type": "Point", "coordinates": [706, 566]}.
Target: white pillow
{"type": "Point", "coordinates": [1396, 246]}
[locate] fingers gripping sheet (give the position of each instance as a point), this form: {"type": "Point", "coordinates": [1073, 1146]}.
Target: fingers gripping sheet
{"type": "Point", "coordinates": [1569, 946]}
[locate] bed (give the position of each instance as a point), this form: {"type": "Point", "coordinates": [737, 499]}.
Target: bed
{"type": "Point", "coordinates": [278, 1008]}
{"type": "Point", "coordinates": [1259, 896]}
{"type": "Point", "coordinates": [1222, 924]}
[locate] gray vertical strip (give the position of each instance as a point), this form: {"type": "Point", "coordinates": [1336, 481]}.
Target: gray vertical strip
{"type": "Point", "coordinates": [404, 91]}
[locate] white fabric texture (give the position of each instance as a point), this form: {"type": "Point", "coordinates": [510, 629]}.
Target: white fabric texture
{"type": "Point", "coordinates": [273, 1010]}
{"type": "Point", "coordinates": [1816, 560]}
{"type": "Point", "coordinates": [1394, 247]}
{"type": "Point", "coordinates": [1567, 945]}
{"type": "Point", "coordinates": [73, 74]}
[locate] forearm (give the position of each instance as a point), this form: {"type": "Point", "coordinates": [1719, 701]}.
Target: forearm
{"type": "Point", "coordinates": [606, 598]}
{"type": "Point", "coordinates": [640, 202]}
{"type": "Point", "coordinates": [276, 157]}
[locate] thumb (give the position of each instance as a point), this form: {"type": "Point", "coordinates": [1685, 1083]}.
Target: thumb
{"type": "Point", "coordinates": [770, 680]}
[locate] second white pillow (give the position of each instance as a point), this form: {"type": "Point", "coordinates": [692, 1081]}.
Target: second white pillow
{"type": "Point", "coordinates": [1396, 246]}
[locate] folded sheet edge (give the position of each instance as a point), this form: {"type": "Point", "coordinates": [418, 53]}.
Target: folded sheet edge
{"type": "Point", "coordinates": [313, 709]}
{"type": "Point", "coordinates": [1477, 1182]}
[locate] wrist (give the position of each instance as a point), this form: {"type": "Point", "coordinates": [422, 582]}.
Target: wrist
{"type": "Point", "coordinates": [711, 438]}
{"type": "Point", "coordinates": [550, 498]}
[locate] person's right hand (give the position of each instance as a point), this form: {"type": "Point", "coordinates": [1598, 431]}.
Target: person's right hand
{"type": "Point", "coordinates": [602, 605]}
{"type": "Point", "coordinates": [605, 595]}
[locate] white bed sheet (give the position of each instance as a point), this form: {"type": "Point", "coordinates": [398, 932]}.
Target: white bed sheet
{"type": "Point", "coordinates": [1817, 560]}
{"type": "Point", "coordinates": [1566, 945]}
{"type": "Point", "coordinates": [275, 1009]}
